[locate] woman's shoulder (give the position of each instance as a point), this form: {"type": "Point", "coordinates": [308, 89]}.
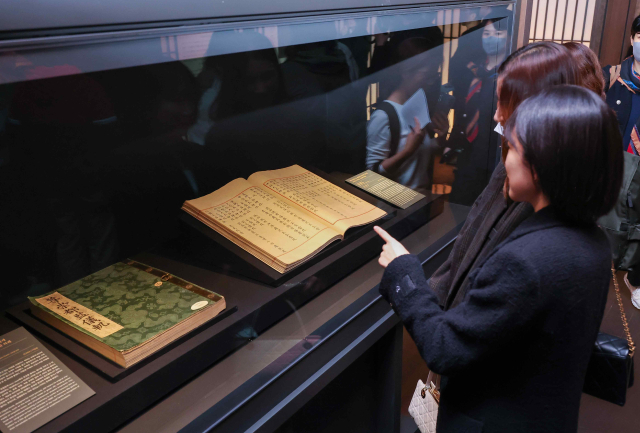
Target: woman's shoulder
{"type": "Point", "coordinates": [541, 263]}
{"type": "Point", "coordinates": [560, 248]}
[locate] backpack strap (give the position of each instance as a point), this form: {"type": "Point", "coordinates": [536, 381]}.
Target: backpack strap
{"type": "Point", "coordinates": [394, 128]}
{"type": "Point", "coordinates": [614, 74]}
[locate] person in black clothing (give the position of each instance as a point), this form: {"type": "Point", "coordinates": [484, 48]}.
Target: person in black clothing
{"type": "Point", "coordinates": [622, 87]}
{"type": "Point", "coordinates": [514, 353]}
{"type": "Point", "coordinates": [473, 74]}
{"type": "Point", "coordinates": [385, 53]}
{"type": "Point", "coordinates": [54, 146]}
{"type": "Point", "coordinates": [245, 113]}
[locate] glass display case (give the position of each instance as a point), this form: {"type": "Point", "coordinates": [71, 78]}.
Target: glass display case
{"type": "Point", "coordinates": [105, 132]}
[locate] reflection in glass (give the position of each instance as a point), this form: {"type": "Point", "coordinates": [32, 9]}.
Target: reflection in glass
{"type": "Point", "coordinates": [101, 143]}
{"type": "Point", "coordinates": [415, 63]}
{"type": "Point", "coordinates": [481, 50]}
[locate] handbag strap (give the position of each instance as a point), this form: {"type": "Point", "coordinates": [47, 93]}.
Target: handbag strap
{"type": "Point", "coordinates": [434, 379]}
{"type": "Point", "coordinates": [430, 377]}
{"type": "Point", "coordinates": [623, 316]}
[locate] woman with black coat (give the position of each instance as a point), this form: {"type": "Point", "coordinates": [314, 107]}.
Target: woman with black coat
{"type": "Point", "coordinates": [493, 217]}
{"type": "Point", "coordinates": [514, 352]}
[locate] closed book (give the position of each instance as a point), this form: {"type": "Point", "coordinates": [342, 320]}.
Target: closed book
{"type": "Point", "coordinates": [128, 310]}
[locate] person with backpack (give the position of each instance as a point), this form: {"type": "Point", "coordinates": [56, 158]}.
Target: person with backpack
{"type": "Point", "coordinates": [395, 149]}
{"type": "Point", "coordinates": [622, 224]}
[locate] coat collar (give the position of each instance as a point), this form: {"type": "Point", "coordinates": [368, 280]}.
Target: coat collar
{"type": "Point", "coordinates": [541, 220]}
{"type": "Point", "coordinates": [627, 78]}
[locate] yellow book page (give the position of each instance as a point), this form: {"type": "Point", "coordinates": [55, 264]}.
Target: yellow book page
{"type": "Point", "coordinates": [265, 220]}
{"type": "Point", "coordinates": [331, 204]}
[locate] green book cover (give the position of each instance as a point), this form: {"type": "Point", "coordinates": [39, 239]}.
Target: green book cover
{"type": "Point", "coordinates": [126, 304]}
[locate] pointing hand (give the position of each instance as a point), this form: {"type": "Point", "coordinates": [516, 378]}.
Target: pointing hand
{"type": "Point", "coordinates": [391, 249]}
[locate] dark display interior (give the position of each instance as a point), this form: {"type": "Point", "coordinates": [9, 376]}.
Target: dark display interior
{"type": "Point", "coordinates": [101, 143]}
{"type": "Point", "coordinates": [97, 159]}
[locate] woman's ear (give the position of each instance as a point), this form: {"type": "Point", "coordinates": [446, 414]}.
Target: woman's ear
{"type": "Point", "coordinates": [535, 177]}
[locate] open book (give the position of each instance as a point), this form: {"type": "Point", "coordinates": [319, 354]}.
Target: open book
{"type": "Point", "coordinates": [283, 217]}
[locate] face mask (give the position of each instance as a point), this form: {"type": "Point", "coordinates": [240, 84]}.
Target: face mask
{"type": "Point", "coordinates": [636, 51]}
{"type": "Point", "coordinates": [492, 45]}
{"type": "Point", "coordinates": [499, 129]}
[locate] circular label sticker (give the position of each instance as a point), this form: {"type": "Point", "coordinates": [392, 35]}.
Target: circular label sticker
{"type": "Point", "coordinates": [199, 305]}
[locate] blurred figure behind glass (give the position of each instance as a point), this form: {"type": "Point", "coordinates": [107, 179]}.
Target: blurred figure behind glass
{"type": "Point", "coordinates": [416, 67]}
{"type": "Point", "coordinates": [473, 74]}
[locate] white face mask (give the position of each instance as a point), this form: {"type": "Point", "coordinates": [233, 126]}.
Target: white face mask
{"type": "Point", "coordinates": [636, 51]}
{"type": "Point", "coordinates": [493, 45]}
{"type": "Point", "coordinates": [499, 129]}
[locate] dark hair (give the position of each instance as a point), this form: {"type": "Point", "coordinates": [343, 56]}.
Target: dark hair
{"type": "Point", "coordinates": [485, 22]}
{"type": "Point", "coordinates": [570, 139]}
{"type": "Point", "coordinates": [533, 68]}
{"type": "Point", "coordinates": [412, 52]}
{"type": "Point", "coordinates": [412, 47]}
{"type": "Point", "coordinates": [233, 99]}
{"type": "Point", "coordinates": [427, 40]}
{"type": "Point", "coordinates": [635, 27]}
{"type": "Point", "coordinates": [589, 68]}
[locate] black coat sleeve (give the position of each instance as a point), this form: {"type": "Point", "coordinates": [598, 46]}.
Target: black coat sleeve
{"type": "Point", "coordinates": [502, 301]}
{"type": "Point", "coordinates": [440, 281]}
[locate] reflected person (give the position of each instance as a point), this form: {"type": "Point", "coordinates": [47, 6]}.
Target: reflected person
{"type": "Point", "coordinates": [54, 145]}
{"type": "Point", "coordinates": [326, 76]}
{"type": "Point", "coordinates": [411, 162]}
{"type": "Point", "coordinates": [471, 133]}
{"type": "Point", "coordinates": [257, 126]}
{"type": "Point", "coordinates": [386, 46]}
{"type": "Point", "coordinates": [252, 76]}
{"type": "Point", "coordinates": [251, 81]}
{"type": "Point", "coordinates": [151, 172]}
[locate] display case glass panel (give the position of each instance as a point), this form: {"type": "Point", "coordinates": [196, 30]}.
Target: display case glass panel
{"type": "Point", "coordinates": [104, 136]}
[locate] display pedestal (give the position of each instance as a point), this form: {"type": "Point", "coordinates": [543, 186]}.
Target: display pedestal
{"type": "Point", "coordinates": [206, 247]}
{"type": "Point", "coordinates": [124, 395]}
{"type": "Point", "coordinates": [22, 313]}
{"type": "Point", "coordinates": [218, 253]}
{"type": "Point", "coordinates": [263, 299]}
